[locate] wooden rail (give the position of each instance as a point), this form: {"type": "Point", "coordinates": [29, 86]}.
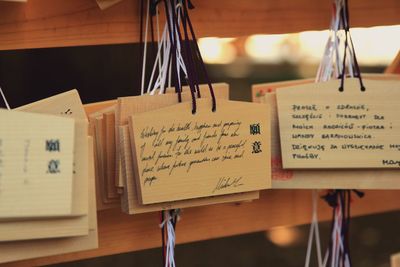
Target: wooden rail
{"type": "Point", "coordinates": [119, 233]}
{"type": "Point", "coordinates": [56, 23]}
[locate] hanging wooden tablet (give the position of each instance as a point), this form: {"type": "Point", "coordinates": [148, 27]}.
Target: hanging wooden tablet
{"type": "Point", "coordinates": [259, 90]}
{"type": "Point", "coordinates": [140, 104]}
{"type": "Point", "coordinates": [76, 224]}
{"type": "Point", "coordinates": [130, 201]}
{"type": "Point", "coordinates": [21, 250]}
{"type": "Point", "coordinates": [314, 179]}
{"type": "Point", "coordinates": [137, 104]}
{"type": "Point", "coordinates": [36, 155]}
{"type": "Point", "coordinates": [321, 127]}
{"type": "Point", "coordinates": [69, 105]}
{"type": "Point", "coordinates": [99, 130]}
{"type": "Point", "coordinates": [207, 154]}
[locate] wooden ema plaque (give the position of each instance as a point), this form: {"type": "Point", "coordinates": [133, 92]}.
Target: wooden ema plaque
{"type": "Point", "coordinates": [321, 127]}
{"type": "Point", "coordinates": [36, 154]}
{"type": "Point", "coordinates": [131, 204]}
{"type": "Point", "coordinates": [136, 105]}
{"type": "Point", "coordinates": [69, 105]}
{"type": "Point", "coordinates": [314, 178]}
{"type": "Point", "coordinates": [128, 106]}
{"type": "Point", "coordinates": [183, 156]}
{"type": "Point", "coordinates": [22, 250]}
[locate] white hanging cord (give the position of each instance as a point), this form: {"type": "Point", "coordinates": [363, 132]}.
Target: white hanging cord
{"type": "Point", "coordinates": [4, 99]}
{"type": "Point", "coordinates": [145, 47]}
{"type": "Point", "coordinates": [168, 223]}
{"type": "Point", "coordinates": [337, 246]}
{"type": "Point", "coordinates": [314, 231]}
{"type": "Point", "coordinates": [331, 63]}
{"type": "Point", "coordinates": [159, 83]}
{"type": "Point", "coordinates": [161, 62]}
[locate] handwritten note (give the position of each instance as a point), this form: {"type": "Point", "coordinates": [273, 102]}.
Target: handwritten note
{"type": "Point", "coordinates": [321, 127]}
{"type": "Point", "coordinates": [36, 155]}
{"type": "Point", "coordinates": [182, 156]}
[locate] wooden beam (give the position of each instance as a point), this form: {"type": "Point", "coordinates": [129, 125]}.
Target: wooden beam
{"type": "Point", "coordinates": [119, 233]}
{"type": "Point", "coordinates": [56, 23]}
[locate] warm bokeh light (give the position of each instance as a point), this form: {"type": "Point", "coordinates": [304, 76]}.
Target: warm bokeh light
{"type": "Point", "coordinates": [217, 50]}
{"type": "Point", "coordinates": [265, 48]}
{"type": "Point", "coordinates": [284, 236]}
{"type": "Point", "coordinates": [377, 45]}
{"type": "Point", "coordinates": [374, 46]}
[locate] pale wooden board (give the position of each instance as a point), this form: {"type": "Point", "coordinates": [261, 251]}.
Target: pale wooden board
{"type": "Point", "coordinates": [104, 4]}
{"type": "Point", "coordinates": [73, 226]}
{"type": "Point", "coordinates": [44, 228]}
{"type": "Point", "coordinates": [28, 189]}
{"type": "Point", "coordinates": [20, 250]}
{"type": "Point", "coordinates": [216, 168]}
{"type": "Point", "coordinates": [328, 179]}
{"type": "Point", "coordinates": [69, 105]}
{"type": "Point", "coordinates": [56, 23]}
{"type": "Point", "coordinates": [135, 104]}
{"type": "Point", "coordinates": [313, 179]}
{"type": "Point", "coordinates": [259, 90]}
{"type": "Point", "coordinates": [130, 202]}
{"type": "Point", "coordinates": [59, 227]}
{"type": "Point", "coordinates": [321, 105]}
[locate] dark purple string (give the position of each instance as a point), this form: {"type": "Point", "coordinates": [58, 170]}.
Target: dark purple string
{"type": "Point", "coordinates": [192, 70]}
{"type": "Point", "coordinates": [186, 56]}
{"type": "Point", "coordinates": [332, 198]}
{"type": "Point", "coordinates": [214, 102]}
{"type": "Point", "coordinates": [344, 16]}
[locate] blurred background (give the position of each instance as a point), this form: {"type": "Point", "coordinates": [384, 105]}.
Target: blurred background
{"type": "Point", "coordinates": [106, 72]}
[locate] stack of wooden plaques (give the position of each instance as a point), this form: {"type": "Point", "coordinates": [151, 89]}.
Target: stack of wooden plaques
{"type": "Point", "coordinates": [117, 181]}
{"type": "Point", "coordinates": [65, 222]}
{"type": "Point", "coordinates": [287, 178]}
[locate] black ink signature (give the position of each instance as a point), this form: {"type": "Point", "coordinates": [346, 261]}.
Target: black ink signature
{"type": "Point", "coordinates": [225, 182]}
